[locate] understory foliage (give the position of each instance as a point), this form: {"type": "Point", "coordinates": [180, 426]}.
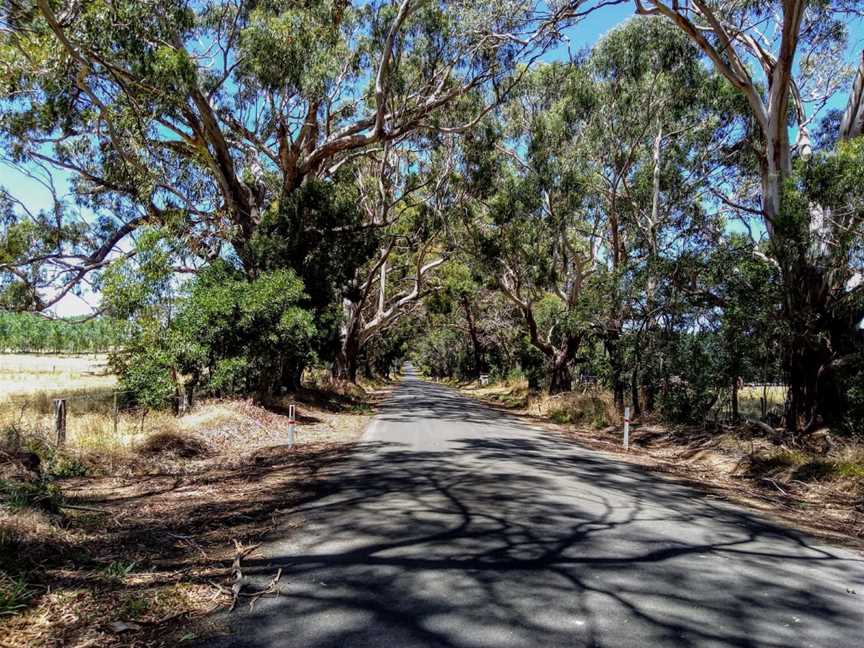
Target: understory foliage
{"type": "Point", "coordinates": [229, 335]}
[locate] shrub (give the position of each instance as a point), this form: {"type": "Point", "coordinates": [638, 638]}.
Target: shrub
{"type": "Point", "coordinates": [185, 446]}
{"type": "Point", "coordinates": [231, 334]}
{"type": "Point", "coordinates": [38, 494]}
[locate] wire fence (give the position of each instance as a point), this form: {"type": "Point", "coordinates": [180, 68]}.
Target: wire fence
{"type": "Point", "coordinates": [102, 409]}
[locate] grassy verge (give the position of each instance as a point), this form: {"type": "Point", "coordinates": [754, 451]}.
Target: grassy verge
{"type": "Point", "coordinates": [125, 538]}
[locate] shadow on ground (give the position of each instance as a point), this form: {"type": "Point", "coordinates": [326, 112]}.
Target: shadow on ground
{"type": "Point", "coordinates": [455, 527]}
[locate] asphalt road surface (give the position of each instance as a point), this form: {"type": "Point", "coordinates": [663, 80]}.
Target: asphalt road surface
{"type": "Point", "coordinates": [457, 525]}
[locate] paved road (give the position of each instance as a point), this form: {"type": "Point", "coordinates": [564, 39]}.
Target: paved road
{"type": "Point", "coordinates": [456, 525]}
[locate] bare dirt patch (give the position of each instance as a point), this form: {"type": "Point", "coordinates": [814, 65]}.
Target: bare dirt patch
{"type": "Point", "coordinates": [141, 553]}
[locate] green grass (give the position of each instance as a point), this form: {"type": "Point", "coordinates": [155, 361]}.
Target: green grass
{"type": "Point", "coordinates": [806, 467]}
{"type": "Point", "coordinates": [14, 595]}
{"type": "Point", "coordinates": [118, 570]}
{"type": "Point", "coordinates": [562, 417]}
{"type": "Point", "coordinates": [39, 494]}
{"type": "Point", "coordinates": [850, 469]}
{"type": "Point", "coordinates": [785, 459]}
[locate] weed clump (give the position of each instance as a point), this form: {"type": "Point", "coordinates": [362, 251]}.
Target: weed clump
{"type": "Point", "coordinates": [14, 595]}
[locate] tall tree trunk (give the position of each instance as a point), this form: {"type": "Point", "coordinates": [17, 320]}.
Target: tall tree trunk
{"type": "Point", "coordinates": [475, 339]}
{"type": "Point", "coordinates": [561, 380]}
{"type": "Point", "coordinates": [616, 364]}
{"type": "Point", "coordinates": [344, 366]}
{"type": "Point", "coordinates": [816, 338]}
{"type": "Point", "coordinates": [736, 416]}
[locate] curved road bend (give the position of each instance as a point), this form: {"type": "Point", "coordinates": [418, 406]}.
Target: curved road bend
{"type": "Point", "coordinates": [456, 525]}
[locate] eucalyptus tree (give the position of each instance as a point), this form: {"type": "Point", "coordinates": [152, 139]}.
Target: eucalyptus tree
{"type": "Point", "coordinates": [784, 58]}
{"type": "Point", "coordinates": [209, 118]}
{"type": "Point", "coordinates": [400, 194]}
{"type": "Point", "coordinates": [535, 232]}
{"type": "Point", "coordinates": [601, 160]}
{"type": "Point", "coordinates": [657, 125]}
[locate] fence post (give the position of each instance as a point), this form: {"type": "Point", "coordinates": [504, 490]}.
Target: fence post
{"type": "Point", "coordinates": [115, 413]}
{"type": "Point", "coordinates": [60, 420]}
{"type": "Point", "coordinates": [291, 423]}
{"type": "Point", "coordinates": [626, 428]}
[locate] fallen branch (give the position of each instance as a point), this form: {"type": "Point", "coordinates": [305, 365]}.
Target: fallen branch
{"type": "Point", "coordinates": [241, 585]}
{"type": "Point", "coordinates": [90, 509]}
{"type": "Point", "coordinates": [773, 483]}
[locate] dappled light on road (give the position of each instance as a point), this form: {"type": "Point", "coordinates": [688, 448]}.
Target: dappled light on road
{"type": "Point", "coordinates": [456, 525]}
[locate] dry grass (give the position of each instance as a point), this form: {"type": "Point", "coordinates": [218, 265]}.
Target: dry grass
{"type": "Point", "coordinates": [153, 521]}
{"type": "Point", "coordinates": [750, 400]}
{"type": "Point", "coordinates": [36, 379]}
{"type": "Point", "coordinates": [592, 408]}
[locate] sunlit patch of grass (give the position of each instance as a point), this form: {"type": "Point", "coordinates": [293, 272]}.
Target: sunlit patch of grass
{"type": "Point", "coordinates": [784, 458]}
{"type": "Point", "coordinates": [850, 469]}
{"type": "Point", "coordinates": [118, 570]}
{"type": "Point", "coordinates": [801, 466]}
{"type": "Point", "coordinates": [750, 399]}
{"type": "Point", "coordinates": [594, 410]}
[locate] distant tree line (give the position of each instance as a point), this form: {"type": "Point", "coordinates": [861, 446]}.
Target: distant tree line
{"type": "Point", "coordinates": [30, 333]}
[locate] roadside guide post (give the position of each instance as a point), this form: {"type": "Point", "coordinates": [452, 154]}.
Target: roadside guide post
{"type": "Point", "coordinates": [626, 428]}
{"type": "Point", "coordinates": [291, 423]}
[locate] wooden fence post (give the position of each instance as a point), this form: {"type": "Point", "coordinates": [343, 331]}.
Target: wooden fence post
{"type": "Point", "coordinates": [60, 420]}
{"type": "Point", "coordinates": [115, 413]}
{"type": "Point", "coordinates": [189, 390]}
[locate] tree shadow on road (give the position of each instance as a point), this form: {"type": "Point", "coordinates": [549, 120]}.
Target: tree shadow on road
{"type": "Point", "coordinates": [519, 540]}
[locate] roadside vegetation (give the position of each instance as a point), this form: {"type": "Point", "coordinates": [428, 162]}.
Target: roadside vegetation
{"type": "Point", "coordinates": [277, 202]}
{"type": "Point", "coordinates": [820, 488]}
{"type": "Point", "coordinates": [131, 533]}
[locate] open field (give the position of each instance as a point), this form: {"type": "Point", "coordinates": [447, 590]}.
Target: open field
{"type": "Point", "coordinates": [40, 377]}
{"type": "Point", "coordinates": [750, 404]}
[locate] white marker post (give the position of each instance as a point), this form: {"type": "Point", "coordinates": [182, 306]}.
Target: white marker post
{"type": "Point", "coordinates": [627, 428]}
{"type": "Point", "coordinates": [291, 423]}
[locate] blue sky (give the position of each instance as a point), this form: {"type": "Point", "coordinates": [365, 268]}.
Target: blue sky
{"type": "Point", "coordinates": [583, 35]}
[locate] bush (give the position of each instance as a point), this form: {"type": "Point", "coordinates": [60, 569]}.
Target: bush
{"type": "Point", "coordinates": [147, 378]}
{"type": "Point", "coordinates": [52, 462]}
{"type": "Point", "coordinates": [230, 335]}
{"type": "Point", "coordinates": [38, 494]}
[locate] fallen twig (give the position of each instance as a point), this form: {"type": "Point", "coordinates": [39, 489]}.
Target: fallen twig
{"type": "Point", "coordinates": [773, 483]}
{"type": "Point", "coordinates": [91, 509]}
{"type": "Point", "coordinates": [240, 587]}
